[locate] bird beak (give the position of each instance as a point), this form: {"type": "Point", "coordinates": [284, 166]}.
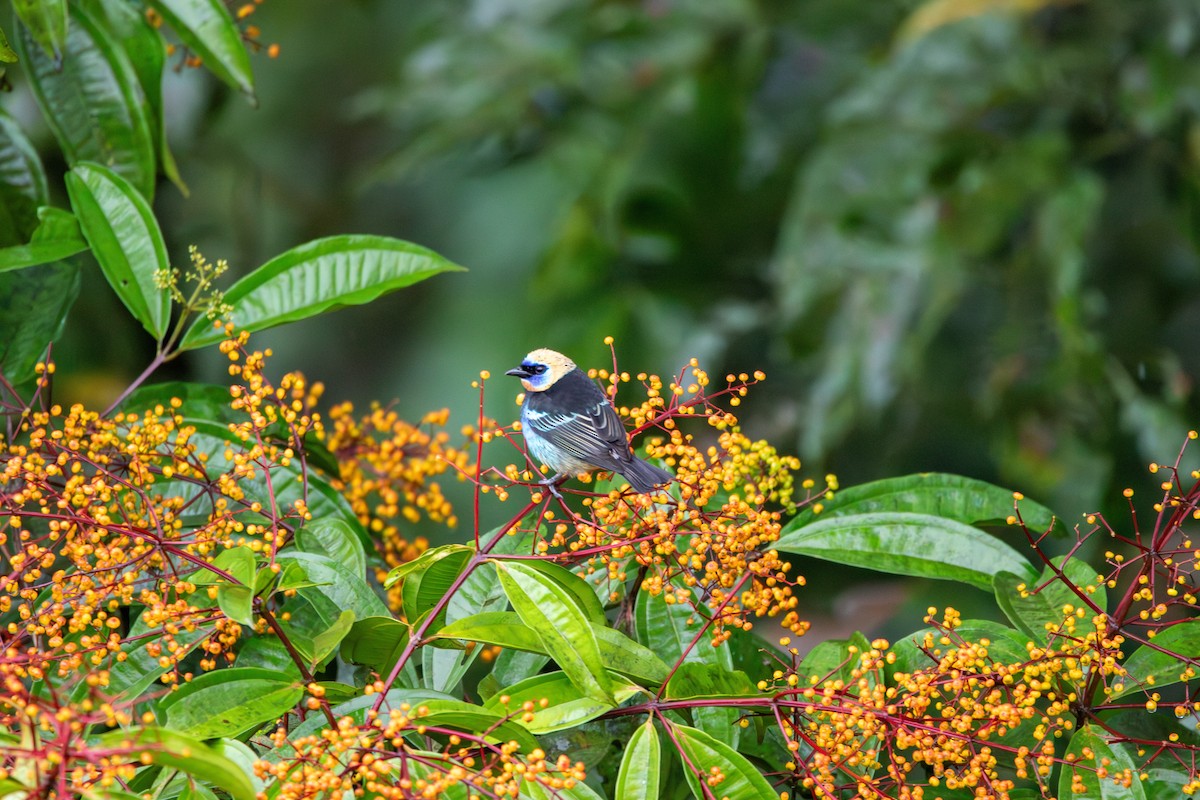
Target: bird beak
{"type": "Point", "coordinates": [519, 372]}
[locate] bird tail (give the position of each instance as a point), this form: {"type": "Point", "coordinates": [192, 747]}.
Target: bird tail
{"type": "Point", "coordinates": [644, 476]}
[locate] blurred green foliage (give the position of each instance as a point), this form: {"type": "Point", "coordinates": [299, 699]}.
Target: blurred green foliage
{"type": "Point", "coordinates": [956, 236]}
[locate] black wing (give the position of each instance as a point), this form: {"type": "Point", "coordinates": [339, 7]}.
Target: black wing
{"type": "Point", "coordinates": [582, 424]}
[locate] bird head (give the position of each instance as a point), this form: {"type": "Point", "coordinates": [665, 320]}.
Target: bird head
{"type": "Point", "coordinates": [541, 369]}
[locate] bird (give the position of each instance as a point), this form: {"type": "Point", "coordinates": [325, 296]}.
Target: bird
{"type": "Point", "coordinates": [570, 426]}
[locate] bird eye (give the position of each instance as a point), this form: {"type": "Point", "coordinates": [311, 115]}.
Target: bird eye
{"type": "Point", "coordinates": [536, 369]}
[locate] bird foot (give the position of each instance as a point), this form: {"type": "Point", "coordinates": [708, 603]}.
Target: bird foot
{"type": "Point", "coordinates": [553, 482]}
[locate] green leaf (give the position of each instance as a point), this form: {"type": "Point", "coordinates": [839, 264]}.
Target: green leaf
{"type": "Point", "coordinates": [480, 592]}
{"type": "Point", "coordinates": [836, 659]}
{"type": "Point", "coordinates": [703, 751]}
{"type": "Point", "coordinates": [424, 588]}
{"type": "Point", "coordinates": [207, 29]}
{"type": "Point", "coordinates": [357, 710]}
{"type": "Point", "coordinates": [326, 642]}
{"type": "Point", "coordinates": [126, 241]}
{"type": "Point", "coordinates": [336, 539]}
{"type": "Point", "coordinates": [1149, 668]}
{"type": "Point", "coordinates": [1089, 751]}
{"type": "Point", "coordinates": [619, 653]}
{"type": "Point", "coordinates": [534, 790]}
{"type": "Point", "coordinates": [238, 562]}
{"type": "Point", "coordinates": [1005, 645]}
{"type": "Point", "coordinates": [692, 681]}
{"type": "Point", "coordinates": [1044, 606]}
{"type": "Point", "coordinates": [128, 679]}
{"type": "Point", "coordinates": [320, 276]}
{"type": "Point", "coordinates": [229, 702]}
{"type": "Point", "coordinates": [236, 602]}
{"type": "Point", "coordinates": [938, 494]}
{"type": "Point", "coordinates": [33, 308]}
{"type": "Point", "coordinates": [267, 652]}
{"type": "Point", "coordinates": [640, 777]}
{"type": "Point", "coordinates": [670, 630]}
{"type": "Point", "coordinates": [144, 45]}
{"type": "Point", "coordinates": [584, 595]}
{"type": "Point", "coordinates": [240, 754]}
{"type": "Point", "coordinates": [7, 54]}
{"type": "Point", "coordinates": [555, 615]}
{"type": "Point", "coordinates": [56, 237]}
{"type": "Point", "coordinates": [565, 707]}
{"type": "Point", "coordinates": [901, 543]}
{"type": "Point", "coordinates": [343, 588]}
{"type": "Point", "coordinates": [46, 21]}
{"type": "Point", "coordinates": [423, 561]}
{"type": "Point", "coordinates": [288, 484]}
{"type": "Point", "coordinates": [203, 401]}
{"type": "Point", "coordinates": [177, 750]}
{"type": "Point", "coordinates": [93, 102]}
{"type": "Point", "coordinates": [22, 184]}
{"type": "Point", "coordinates": [470, 718]}
{"type": "Point", "coordinates": [376, 642]}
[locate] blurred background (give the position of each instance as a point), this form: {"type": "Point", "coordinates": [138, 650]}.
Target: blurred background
{"type": "Point", "coordinates": [957, 235]}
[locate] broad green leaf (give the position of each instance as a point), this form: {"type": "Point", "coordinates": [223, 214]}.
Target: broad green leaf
{"type": "Point", "coordinates": [480, 592]}
{"type": "Point", "coordinates": [328, 640]}
{"type": "Point", "coordinates": [509, 668]}
{"type": "Point", "coordinates": [425, 588]}
{"type": "Point", "coordinates": [267, 652]}
{"type": "Point", "coordinates": [671, 629]}
{"type": "Point", "coordinates": [129, 678]}
{"type": "Point", "coordinates": [674, 633]}
{"type": "Point", "coordinates": [703, 752]}
{"type": "Point", "coordinates": [470, 718]}
{"type": "Point", "coordinates": [424, 561]}
{"type": "Point", "coordinates": [236, 602]}
{"type": "Point", "coordinates": [320, 276]}
{"type": "Point", "coordinates": [345, 589]}
{"type": "Point", "coordinates": [7, 54]}
{"type": "Point", "coordinates": [535, 790]}
{"type": "Point", "coordinates": [33, 308]}
{"type": "Point", "coordinates": [339, 692]}
{"type": "Point", "coordinates": [46, 21]}
{"type": "Point", "coordinates": [1164, 783]}
{"type": "Point", "coordinates": [56, 237]}
{"type": "Point", "coordinates": [147, 52]}
{"type": "Point", "coordinates": [93, 102]}
{"type": "Point", "coordinates": [1088, 752]}
{"type": "Point", "coordinates": [834, 659]}
{"type": "Point", "coordinates": [585, 596]}
{"type": "Point", "coordinates": [692, 680]}
{"type": "Point", "coordinates": [126, 241]}
{"type": "Point", "coordinates": [239, 563]}
{"type": "Point", "coordinates": [1005, 645]}
{"type": "Point", "coordinates": [207, 29]}
{"type": "Point", "coordinates": [240, 754]}
{"type": "Point", "coordinates": [902, 543]}
{"type": "Point", "coordinates": [954, 497]}
{"type": "Point", "coordinates": [229, 702]}
{"type": "Point", "coordinates": [555, 615]}
{"type": "Point", "coordinates": [376, 642]}
{"type": "Point", "coordinates": [288, 483]}
{"type": "Point", "coordinates": [357, 710]}
{"type": "Point", "coordinates": [565, 706]}
{"type": "Point", "coordinates": [177, 750]}
{"type": "Point", "coordinates": [640, 777]}
{"type": "Point", "coordinates": [202, 401]}
{"type": "Point", "coordinates": [1149, 668]}
{"type": "Point", "coordinates": [336, 539]}
{"type": "Point", "coordinates": [22, 184]}
{"type": "Point", "coordinates": [1042, 603]}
